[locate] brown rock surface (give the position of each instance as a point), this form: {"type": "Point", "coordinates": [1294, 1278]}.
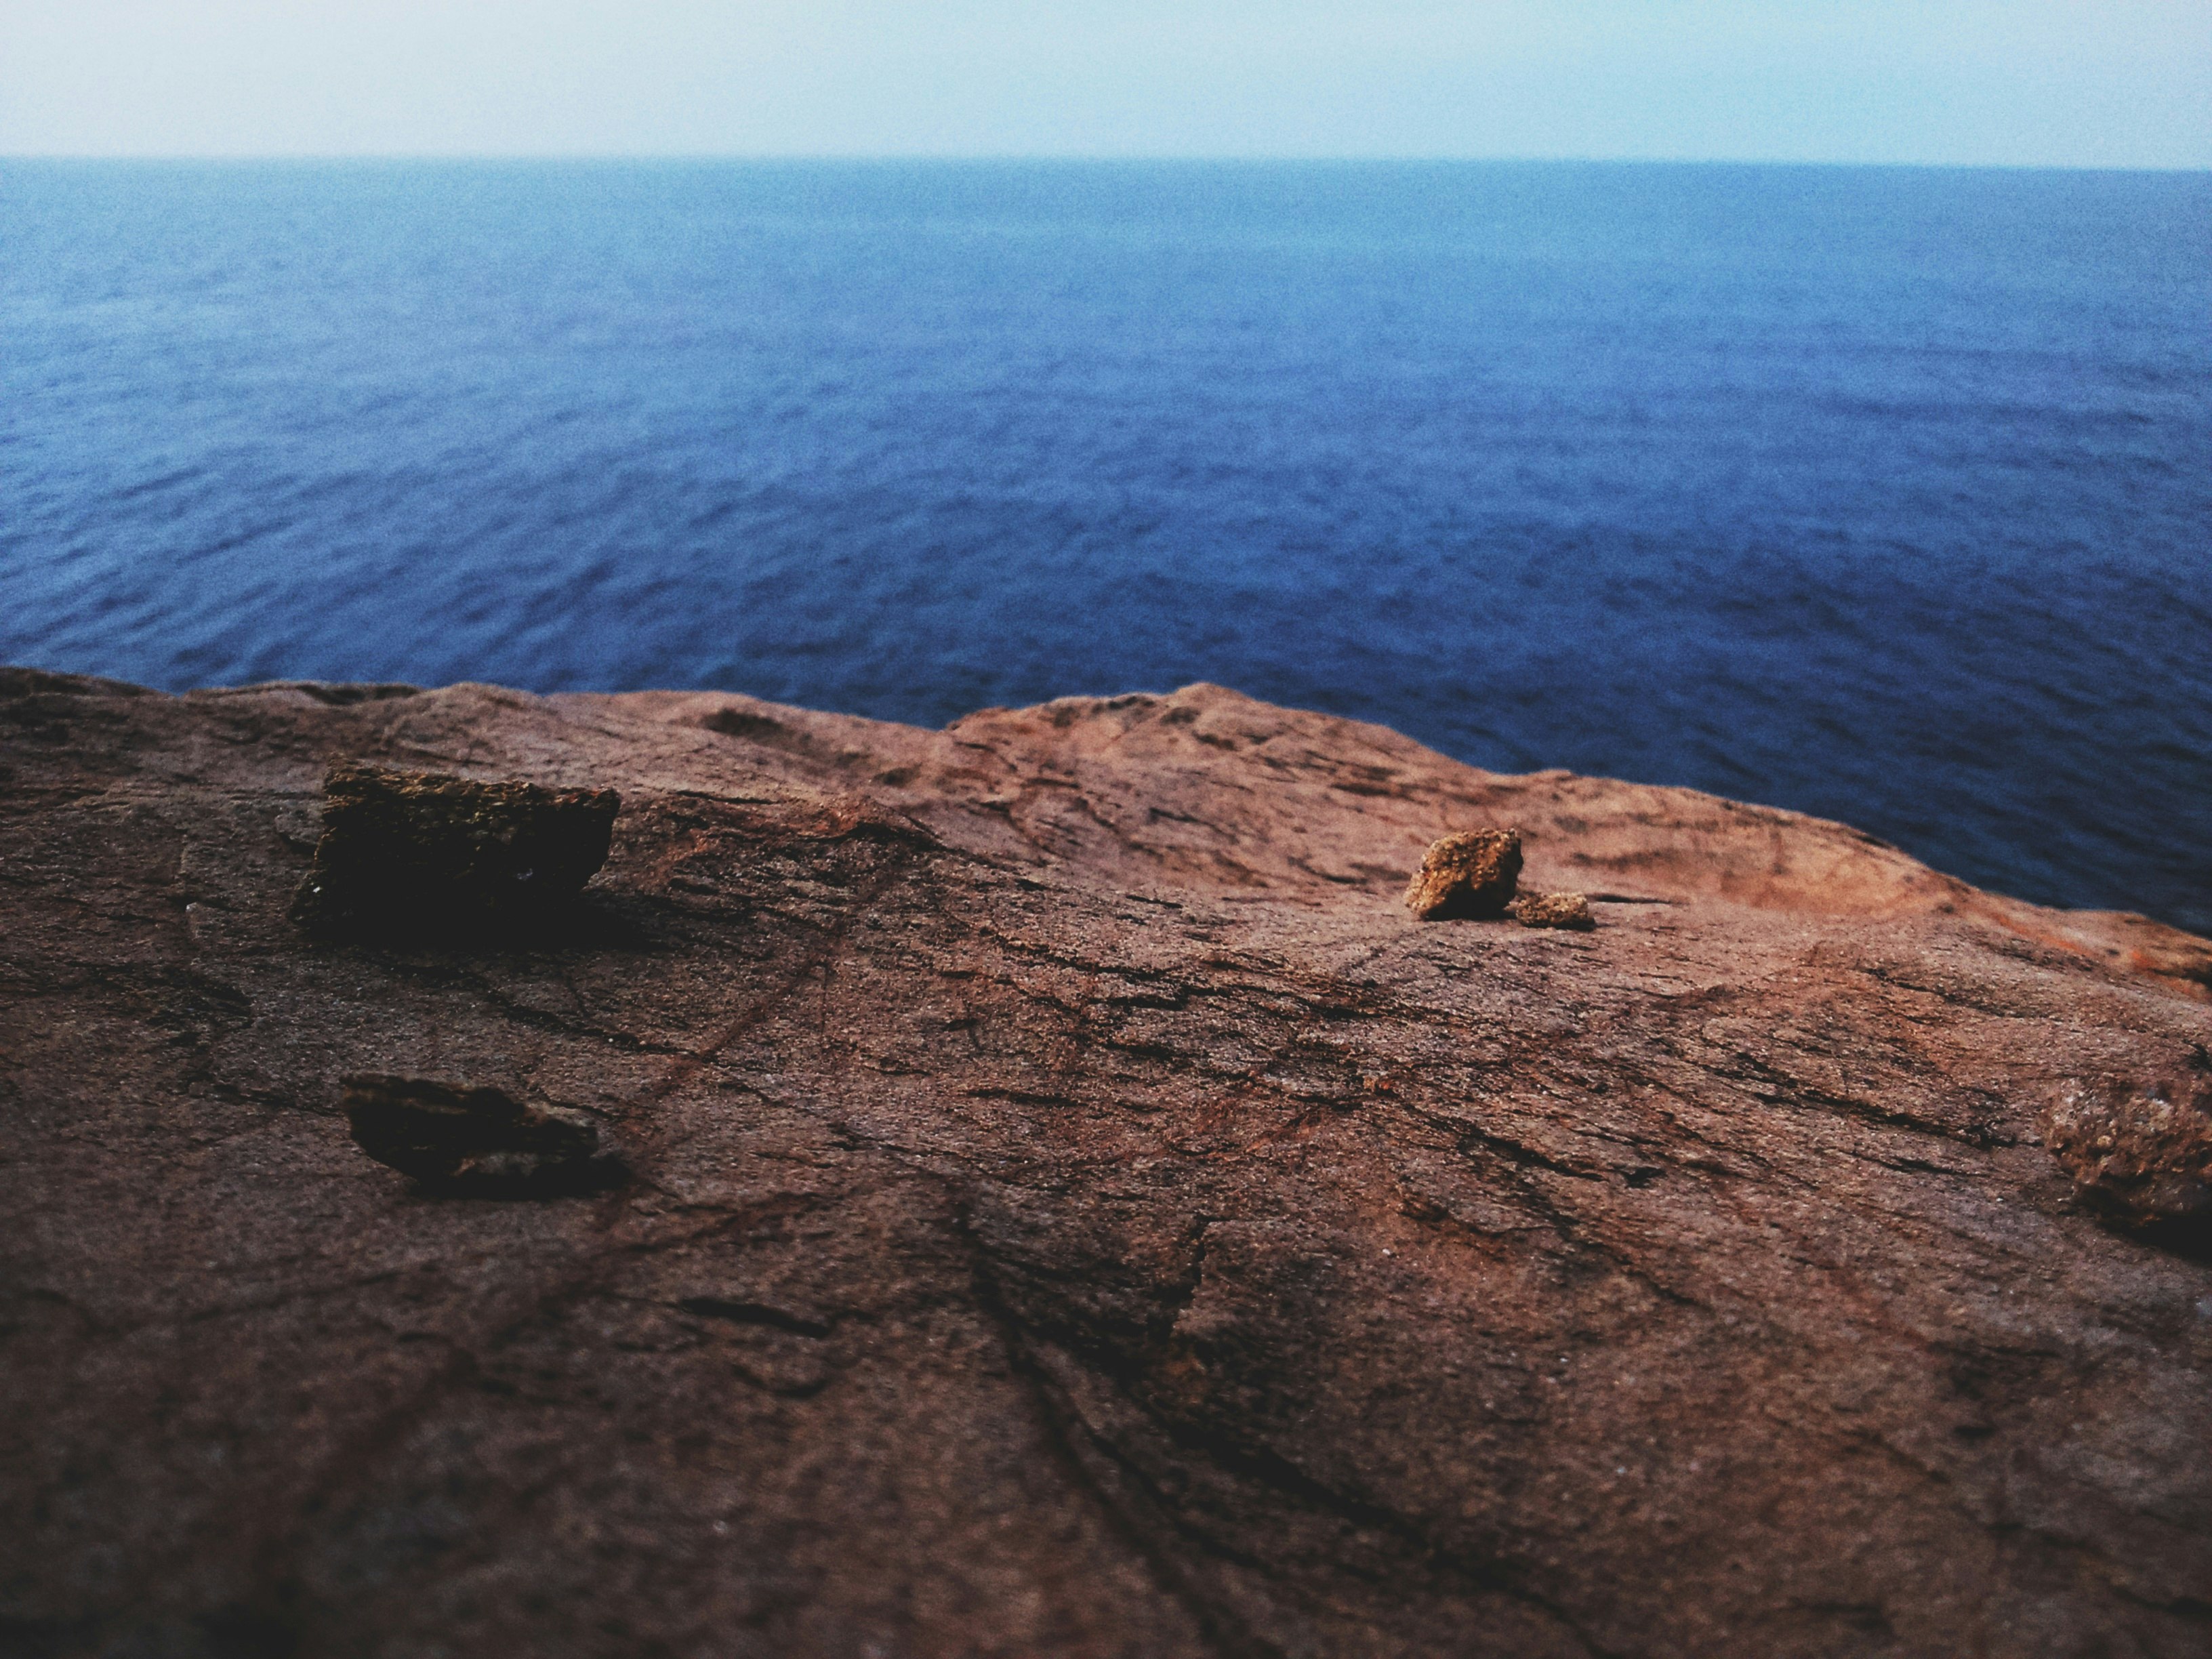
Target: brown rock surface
{"type": "Point", "coordinates": [1074, 1210]}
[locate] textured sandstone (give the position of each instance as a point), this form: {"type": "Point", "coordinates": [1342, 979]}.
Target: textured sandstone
{"type": "Point", "coordinates": [2141, 1149]}
{"type": "Point", "coordinates": [475, 1141]}
{"type": "Point", "coordinates": [417, 853]}
{"type": "Point", "coordinates": [1470, 875]}
{"type": "Point", "coordinates": [1569, 910]}
{"type": "Point", "coordinates": [1074, 1209]}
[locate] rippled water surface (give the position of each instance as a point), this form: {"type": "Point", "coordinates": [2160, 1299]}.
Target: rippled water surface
{"type": "Point", "coordinates": [1885, 495]}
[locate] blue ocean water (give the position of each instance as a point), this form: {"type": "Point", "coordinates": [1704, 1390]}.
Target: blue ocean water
{"type": "Point", "coordinates": [1882, 493]}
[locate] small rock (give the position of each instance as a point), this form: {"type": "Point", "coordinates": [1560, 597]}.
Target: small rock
{"type": "Point", "coordinates": [466, 1142]}
{"type": "Point", "coordinates": [1553, 910]}
{"type": "Point", "coordinates": [2141, 1152]}
{"type": "Point", "coordinates": [420, 853]}
{"type": "Point", "coordinates": [1470, 875]}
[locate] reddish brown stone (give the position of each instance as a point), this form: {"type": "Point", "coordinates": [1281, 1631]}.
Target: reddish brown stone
{"type": "Point", "coordinates": [2140, 1150]}
{"type": "Point", "coordinates": [1468, 876]}
{"type": "Point", "coordinates": [475, 1141]}
{"type": "Point", "coordinates": [416, 853]}
{"type": "Point", "coordinates": [1569, 910]}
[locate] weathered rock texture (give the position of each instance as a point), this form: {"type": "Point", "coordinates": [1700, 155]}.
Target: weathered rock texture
{"type": "Point", "coordinates": [1074, 1210]}
{"type": "Point", "coordinates": [414, 853]}
{"type": "Point", "coordinates": [1467, 875]}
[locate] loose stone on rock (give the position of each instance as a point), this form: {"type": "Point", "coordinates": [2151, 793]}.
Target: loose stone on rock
{"type": "Point", "coordinates": [421, 852]}
{"type": "Point", "coordinates": [2139, 1151]}
{"type": "Point", "coordinates": [466, 1142]}
{"type": "Point", "coordinates": [1553, 910]}
{"type": "Point", "coordinates": [1471, 875]}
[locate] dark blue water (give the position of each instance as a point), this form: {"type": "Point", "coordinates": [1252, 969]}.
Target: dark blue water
{"type": "Point", "coordinates": [1882, 493]}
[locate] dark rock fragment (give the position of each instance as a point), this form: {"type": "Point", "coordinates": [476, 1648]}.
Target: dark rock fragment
{"type": "Point", "coordinates": [1553, 910]}
{"type": "Point", "coordinates": [1470, 875]}
{"type": "Point", "coordinates": [2140, 1151]}
{"type": "Point", "coordinates": [412, 853]}
{"type": "Point", "coordinates": [466, 1142]}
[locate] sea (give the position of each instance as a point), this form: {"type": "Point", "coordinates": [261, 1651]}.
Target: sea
{"type": "Point", "coordinates": [1883, 494]}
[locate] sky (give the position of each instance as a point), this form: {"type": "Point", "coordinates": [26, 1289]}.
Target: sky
{"type": "Point", "coordinates": [2021, 82]}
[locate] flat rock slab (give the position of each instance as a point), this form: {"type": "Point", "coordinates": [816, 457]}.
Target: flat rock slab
{"type": "Point", "coordinates": [1074, 1209]}
{"type": "Point", "coordinates": [423, 853]}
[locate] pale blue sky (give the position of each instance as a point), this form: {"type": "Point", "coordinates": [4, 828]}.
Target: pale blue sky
{"type": "Point", "coordinates": [2115, 83]}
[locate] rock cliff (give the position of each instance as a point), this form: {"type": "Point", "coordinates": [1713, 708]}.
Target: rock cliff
{"type": "Point", "coordinates": [1063, 1204]}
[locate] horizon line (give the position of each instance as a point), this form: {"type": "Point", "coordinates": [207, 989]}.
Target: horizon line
{"type": "Point", "coordinates": [981, 158]}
